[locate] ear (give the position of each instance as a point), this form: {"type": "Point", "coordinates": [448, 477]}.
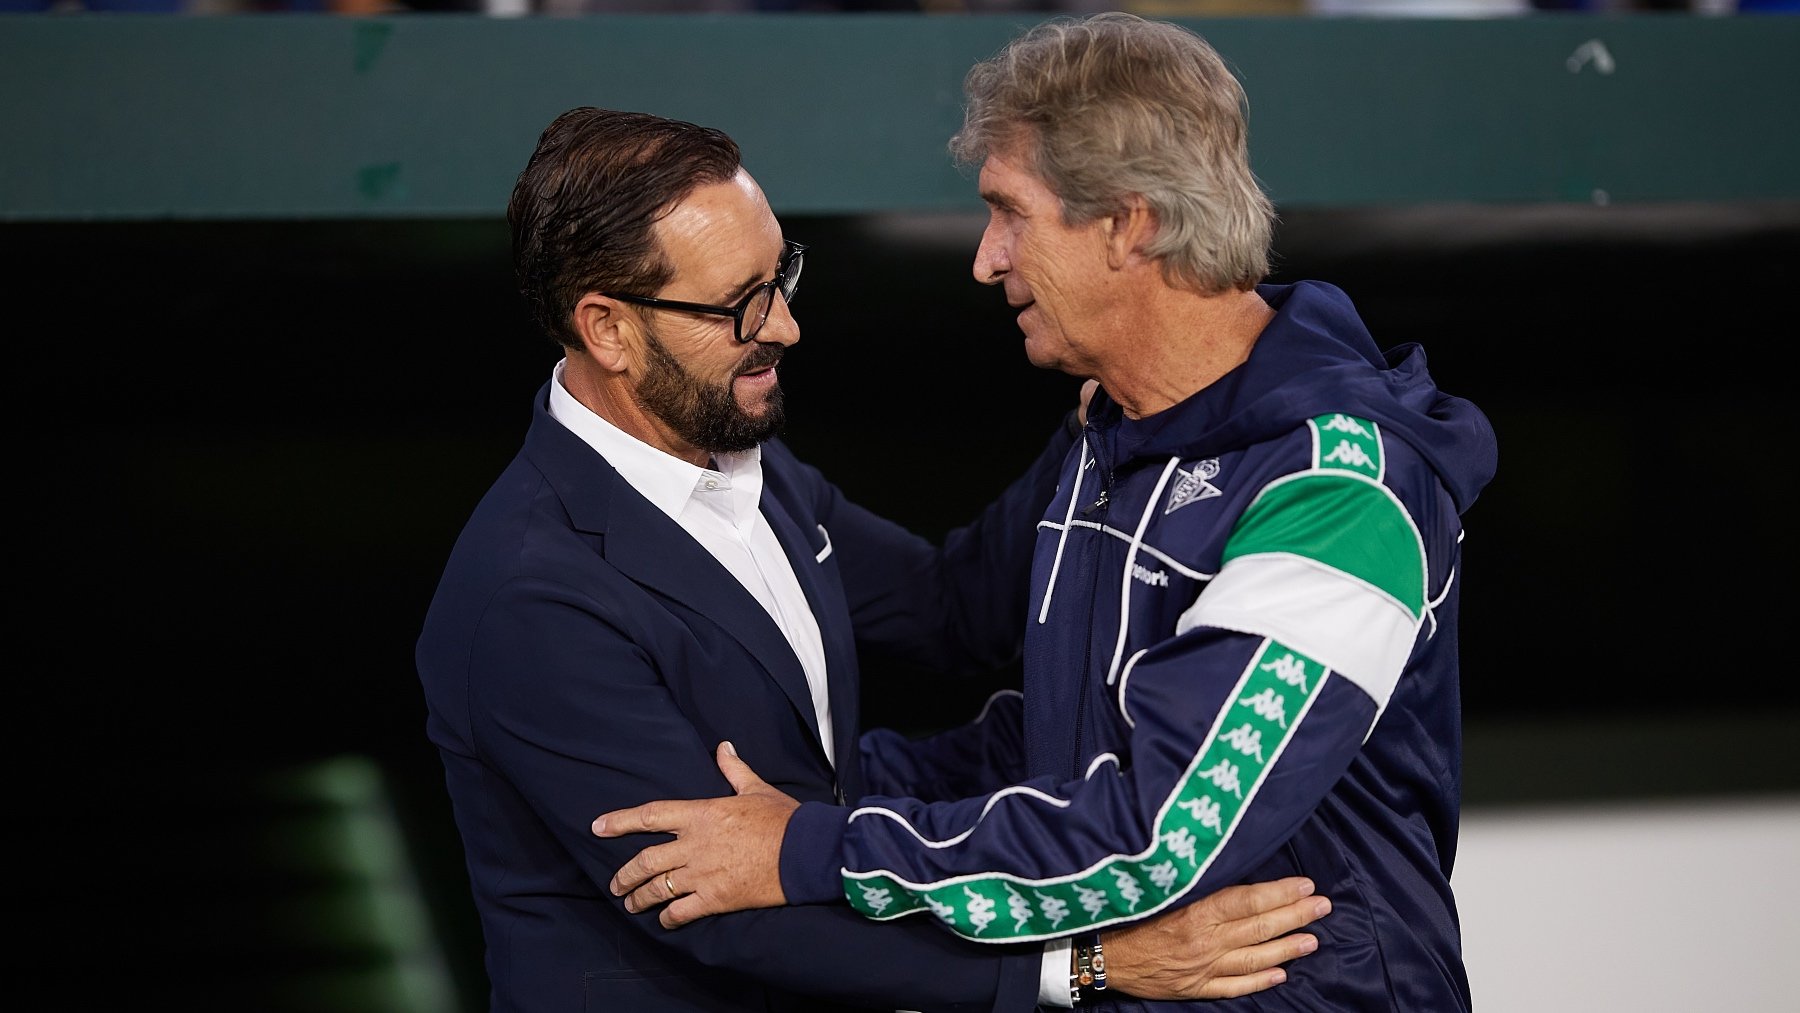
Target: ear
{"type": "Point", "coordinates": [1128, 231]}
{"type": "Point", "coordinates": [602, 325]}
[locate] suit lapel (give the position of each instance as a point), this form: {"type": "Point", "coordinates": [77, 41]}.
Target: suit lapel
{"type": "Point", "coordinates": [656, 552]}
{"type": "Point", "coordinates": [648, 547]}
{"type": "Point", "coordinates": [825, 596]}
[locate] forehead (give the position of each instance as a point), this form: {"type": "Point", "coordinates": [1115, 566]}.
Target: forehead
{"type": "Point", "coordinates": [720, 236]}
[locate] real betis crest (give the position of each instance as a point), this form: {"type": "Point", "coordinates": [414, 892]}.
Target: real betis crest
{"type": "Point", "coordinates": [1192, 485]}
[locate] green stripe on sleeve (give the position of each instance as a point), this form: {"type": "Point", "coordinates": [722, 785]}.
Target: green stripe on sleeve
{"type": "Point", "coordinates": [1341, 521]}
{"type": "Point", "coordinates": [1273, 693]}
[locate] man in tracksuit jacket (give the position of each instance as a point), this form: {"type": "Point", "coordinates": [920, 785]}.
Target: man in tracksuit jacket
{"type": "Point", "coordinates": [1240, 664]}
{"type": "Point", "coordinates": [1241, 653]}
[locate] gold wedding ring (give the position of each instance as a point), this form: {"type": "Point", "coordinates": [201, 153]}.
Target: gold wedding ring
{"type": "Point", "coordinates": [670, 885]}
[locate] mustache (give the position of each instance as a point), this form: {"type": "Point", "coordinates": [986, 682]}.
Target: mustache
{"type": "Point", "coordinates": [762, 358]}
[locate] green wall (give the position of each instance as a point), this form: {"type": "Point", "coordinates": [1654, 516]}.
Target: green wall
{"type": "Point", "coordinates": [302, 116]}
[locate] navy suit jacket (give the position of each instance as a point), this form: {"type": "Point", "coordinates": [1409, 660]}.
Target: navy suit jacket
{"type": "Point", "coordinates": [583, 654]}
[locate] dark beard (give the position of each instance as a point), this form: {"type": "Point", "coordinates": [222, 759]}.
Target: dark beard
{"type": "Point", "coordinates": [707, 415]}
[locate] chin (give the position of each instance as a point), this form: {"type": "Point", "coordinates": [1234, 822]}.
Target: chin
{"type": "Point", "coordinates": [1039, 356]}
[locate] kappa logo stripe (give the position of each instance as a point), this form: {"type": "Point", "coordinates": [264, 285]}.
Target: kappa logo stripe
{"type": "Point", "coordinates": [1347, 442]}
{"type": "Point", "coordinates": [1272, 695]}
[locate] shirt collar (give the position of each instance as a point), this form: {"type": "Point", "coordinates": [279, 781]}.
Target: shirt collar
{"type": "Point", "coordinates": [662, 478]}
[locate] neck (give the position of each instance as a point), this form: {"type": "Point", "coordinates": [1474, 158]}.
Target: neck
{"type": "Point", "coordinates": [1193, 340]}
{"type": "Point", "coordinates": [609, 395]}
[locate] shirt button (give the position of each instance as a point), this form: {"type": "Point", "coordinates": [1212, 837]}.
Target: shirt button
{"type": "Point", "coordinates": [710, 484]}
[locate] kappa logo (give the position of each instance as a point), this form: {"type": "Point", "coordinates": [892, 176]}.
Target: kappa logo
{"type": "Point", "coordinates": [1193, 485]}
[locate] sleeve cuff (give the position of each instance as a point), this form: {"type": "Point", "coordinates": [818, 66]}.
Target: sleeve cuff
{"type": "Point", "coordinates": [812, 854]}
{"type": "Point", "coordinates": [1053, 978]}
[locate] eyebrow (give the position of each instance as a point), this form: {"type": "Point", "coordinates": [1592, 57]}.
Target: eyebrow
{"type": "Point", "coordinates": [996, 199]}
{"type": "Point", "coordinates": [756, 279]}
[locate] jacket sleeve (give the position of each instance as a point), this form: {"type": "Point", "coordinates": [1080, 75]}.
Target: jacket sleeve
{"type": "Point", "coordinates": [1240, 721]}
{"type": "Point", "coordinates": [986, 753]}
{"type": "Point", "coordinates": [1215, 786]}
{"type": "Point", "coordinates": [570, 712]}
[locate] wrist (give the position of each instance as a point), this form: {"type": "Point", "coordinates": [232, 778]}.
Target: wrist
{"type": "Point", "coordinates": [1087, 969]}
{"type": "Point", "coordinates": [812, 854]}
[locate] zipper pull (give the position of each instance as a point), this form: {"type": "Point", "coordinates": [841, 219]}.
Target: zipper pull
{"type": "Point", "coordinates": [1105, 473]}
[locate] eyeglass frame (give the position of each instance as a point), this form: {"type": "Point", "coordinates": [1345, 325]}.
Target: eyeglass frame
{"type": "Point", "coordinates": [793, 251]}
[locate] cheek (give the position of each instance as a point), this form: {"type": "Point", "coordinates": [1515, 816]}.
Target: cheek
{"type": "Point", "coordinates": [716, 368]}
{"type": "Point", "coordinates": [1018, 240]}
{"type": "Point", "coordinates": [698, 349]}
{"type": "Point", "coordinates": [1048, 278]}
{"type": "Point", "coordinates": [700, 340]}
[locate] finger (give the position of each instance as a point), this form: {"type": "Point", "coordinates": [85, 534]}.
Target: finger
{"type": "Point", "coordinates": [645, 866]}
{"type": "Point", "coordinates": [1252, 899]}
{"type": "Point", "coordinates": [652, 893]}
{"type": "Point", "coordinates": [1237, 985]}
{"type": "Point", "coordinates": [668, 816]}
{"type": "Point", "coordinates": [688, 908]}
{"type": "Point", "coordinates": [613, 824]}
{"type": "Point", "coordinates": [651, 817]}
{"type": "Point", "coordinates": [1279, 922]}
{"type": "Point", "coordinates": [736, 771]}
{"type": "Point", "coordinates": [1249, 960]}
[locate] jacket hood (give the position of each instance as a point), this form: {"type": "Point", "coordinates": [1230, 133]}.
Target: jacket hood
{"type": "Point", "coordinates": [1314, 358]}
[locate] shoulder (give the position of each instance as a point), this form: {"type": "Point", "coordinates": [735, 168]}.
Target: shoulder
{"type": "Point", "coordinates": [786, 476]}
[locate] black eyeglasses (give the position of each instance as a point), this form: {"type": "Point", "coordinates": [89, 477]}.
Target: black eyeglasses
{"type": "Point", "coordinates": [752, 311]}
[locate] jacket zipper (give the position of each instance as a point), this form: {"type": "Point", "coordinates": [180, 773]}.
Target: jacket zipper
{"type": "Point", "coordinates": [1096, 512]}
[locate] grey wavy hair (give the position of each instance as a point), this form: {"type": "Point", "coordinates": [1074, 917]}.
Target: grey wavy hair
{"type": "Point", "coordinates": [1114, 104]}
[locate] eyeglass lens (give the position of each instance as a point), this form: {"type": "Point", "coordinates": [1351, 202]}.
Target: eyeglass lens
{"type": "Point", "coordinates": [762, 301]}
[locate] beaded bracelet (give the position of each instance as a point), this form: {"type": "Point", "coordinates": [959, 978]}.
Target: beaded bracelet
{"type": "Point", "coordinates": [1087, 972]}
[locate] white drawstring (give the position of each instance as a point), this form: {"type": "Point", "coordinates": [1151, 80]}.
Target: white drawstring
{"type": "Point", "coordinates": [1063, 539]}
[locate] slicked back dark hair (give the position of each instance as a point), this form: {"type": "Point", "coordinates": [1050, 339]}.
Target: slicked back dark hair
{"type": "Point", "coordinates": [584, 209]}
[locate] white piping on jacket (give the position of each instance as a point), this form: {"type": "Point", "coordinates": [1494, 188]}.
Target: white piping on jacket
{"type": "Point", "coordinates": [1137, 539]}
{"type": "Point", "coordinates": [1124, 680]}
{"type": "Point", "coordinates": [993, 800]}
{"type": "Point", "coordinates": [989, 705]}
{"type": "Point", "coordinates": [947, 842]}
{"type": "Point", "coordinates": [1162, 557]}
{"type": "Point", "coordinates": [1063, 539]}
{"type": "Point", "coordinates": [1095, 763]}
{"type": "Point", "coordinates": [1431, 606]}
{"type": "Point", "coordinates": [1449, 579]}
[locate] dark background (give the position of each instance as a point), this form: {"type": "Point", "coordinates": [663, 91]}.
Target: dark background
{"type": "Point", "coordinates": [247, 446]}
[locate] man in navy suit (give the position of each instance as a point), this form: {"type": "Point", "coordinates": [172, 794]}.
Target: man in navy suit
{"type": "Point", "coordinates": [655, 573]}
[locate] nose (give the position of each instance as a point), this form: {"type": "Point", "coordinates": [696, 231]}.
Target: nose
{"type": "Point", "coordinates": [991, 259]}
{"type": "Point", "coordinates": [781, 328]}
